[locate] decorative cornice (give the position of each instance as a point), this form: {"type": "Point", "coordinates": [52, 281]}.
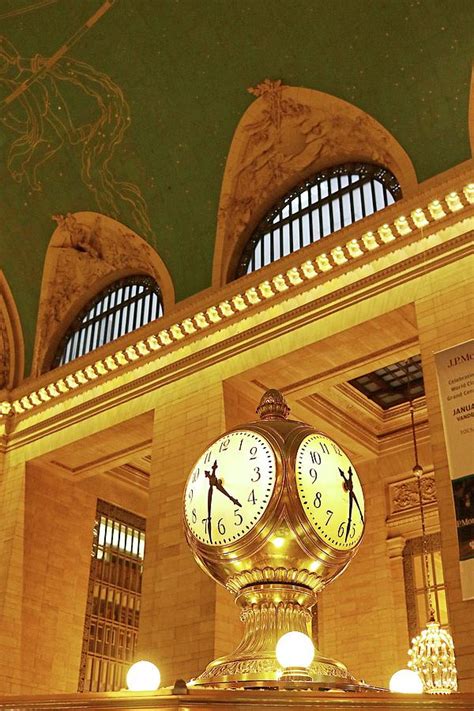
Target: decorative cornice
{"type": "Point", "coordinates": [211, 353]}
{"type": "Point", "coordinates": [419, 221]}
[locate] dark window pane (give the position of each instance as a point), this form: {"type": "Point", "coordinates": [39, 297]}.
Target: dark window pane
{"type": "Point", "coordinates": [393, 384]}
{"type": "Point", "coordinates": [323, 204]}
{"type": "Point", "coordinates": [119, 309]}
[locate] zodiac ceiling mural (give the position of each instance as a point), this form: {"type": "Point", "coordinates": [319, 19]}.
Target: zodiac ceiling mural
{"type": "Point", "coordinates": [128, 108]}
{"type": "Point", "coordinates": [41, 122]}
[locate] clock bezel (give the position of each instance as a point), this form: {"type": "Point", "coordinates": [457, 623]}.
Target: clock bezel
{"type": "Point", "coordinates": [304, 526]}
{"type": "Point", "coordinates": [261, 528]}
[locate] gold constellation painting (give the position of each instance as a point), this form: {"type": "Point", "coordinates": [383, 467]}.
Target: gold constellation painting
{"type": "Point", "coordinates": [38, 112]}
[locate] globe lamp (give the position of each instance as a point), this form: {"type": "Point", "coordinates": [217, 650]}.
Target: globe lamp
{"type": "Point", "coordinates": [295, 653]}
{"type": "Point", "coordinates": [406, 682]}
{"type": "Point", "coordinates": [143, 676]}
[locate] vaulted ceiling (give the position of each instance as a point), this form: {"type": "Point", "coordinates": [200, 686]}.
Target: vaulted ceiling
{"type": "Point", "coordinates": [134, 115]}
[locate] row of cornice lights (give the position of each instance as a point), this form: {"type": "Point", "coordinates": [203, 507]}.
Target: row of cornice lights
{"type": "Point", "coordinates": [294, 276]}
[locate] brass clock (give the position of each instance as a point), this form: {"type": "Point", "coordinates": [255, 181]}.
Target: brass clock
{"type": "Point", "coordinates": [330, 491]}
{"type": "Point", "coordinates": [230, 487]}
{"type": "Point", "coordinates": [273, 510]}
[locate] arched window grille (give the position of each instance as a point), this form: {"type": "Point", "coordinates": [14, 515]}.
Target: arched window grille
{"type": "Point", "coordinates": [114, 599]}
{"type": "Point", "coordinates": [323, 204]}
{"type": "Point", "coordinates": [121, 308]}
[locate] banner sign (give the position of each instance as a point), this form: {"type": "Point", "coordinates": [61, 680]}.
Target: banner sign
{"type": "Point", "coordinates": [455, 369]}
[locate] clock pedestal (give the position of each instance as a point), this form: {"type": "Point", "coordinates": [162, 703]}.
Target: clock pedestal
{"type": "Point", "coordinates": [270, 513]}
{"type": "Point", "coordinates": [268, 611]}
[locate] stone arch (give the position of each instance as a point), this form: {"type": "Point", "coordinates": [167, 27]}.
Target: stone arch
{"type": "Point", "coordinates": [87, 252]}
{"type": "Point", "coordinates": [471, 112]}
{"type": "Point", "coordinates": [286, 135]}
{"type": "Point", "coordinates": [12, 349]}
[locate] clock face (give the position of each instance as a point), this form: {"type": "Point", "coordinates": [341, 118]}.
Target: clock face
{"type": "Point", "coordinates": [229, 488]}
{"type": "Point", "coordinates": [330, 491]}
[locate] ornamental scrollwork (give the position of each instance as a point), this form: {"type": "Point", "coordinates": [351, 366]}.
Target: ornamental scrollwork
{"type": "Point", "coordinates": [86, 251]}
{"type": "Point", "coordinates": [286, 135]}
{"type": "Point", "coordinates": [4, 354]}
{"type": "Point", "coordinates": [404, 496]}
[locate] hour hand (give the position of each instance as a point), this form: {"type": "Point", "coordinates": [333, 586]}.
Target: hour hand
{"type": "Point", "coordinates": [349, 519]}
{"type": "Point", "coordinates": [226, 493]}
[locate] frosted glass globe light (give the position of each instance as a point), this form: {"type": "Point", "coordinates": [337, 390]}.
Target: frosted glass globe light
{"type": "Point", "coordinates": [406, 682]}
{"type": "Point", "coordinates": [294, 649]}
{"type": "Point", "coordinates": [143, 676]}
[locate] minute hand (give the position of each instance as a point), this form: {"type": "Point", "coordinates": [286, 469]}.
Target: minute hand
{"type": "Point", "coordinates": [349, 518]}
{"type": "Point", "coordinates": [209, 506]}
{"type": "Point", "coordinates": [353, 496]}
{"type": "Point", "coordinates": [220, 488]}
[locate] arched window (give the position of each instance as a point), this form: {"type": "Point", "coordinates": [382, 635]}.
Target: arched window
{"type": "Point", "coordinates": [418, 593]}
{"type": "Point", "coordinates": [122, 307]}
{"type": "Point", "coordinates": [329, 201]}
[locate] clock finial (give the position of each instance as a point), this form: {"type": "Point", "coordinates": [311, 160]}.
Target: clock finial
{"type": "Point", "coordinates": [273, 406]}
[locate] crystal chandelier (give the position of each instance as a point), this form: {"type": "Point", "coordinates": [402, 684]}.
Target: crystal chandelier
{"type": "Point", "coordinates": [432, 651]}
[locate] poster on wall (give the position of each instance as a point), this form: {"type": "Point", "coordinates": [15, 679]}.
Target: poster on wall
{"type": "Point", "coordinates": [455, 369]}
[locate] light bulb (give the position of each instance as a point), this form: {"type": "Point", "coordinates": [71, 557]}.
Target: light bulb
{"type": "Point", "coordinates": [143, 676]}
{"type": "Point", "coordinates": [295, 649]}
{"type": "Point", "coordinates": [278, 541]}
{"type": "Point", "coordinates": [406, 682]}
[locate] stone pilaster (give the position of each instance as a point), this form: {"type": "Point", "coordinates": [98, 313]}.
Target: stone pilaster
{"type": "Point", "coordinates": [179, 627]}
{"type": "Point", "coordinates": [445, 319]}
{"type": "Point", "coordinates": [12, 508]}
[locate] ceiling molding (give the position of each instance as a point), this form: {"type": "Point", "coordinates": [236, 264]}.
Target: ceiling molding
{"type": "Point", "coordinates": [118, 458]}
{"type": "Point", "coordinates": [130, 475]}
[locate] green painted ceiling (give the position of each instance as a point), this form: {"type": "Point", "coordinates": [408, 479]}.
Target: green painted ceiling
{"type": "Point", "coordinates": [184, 67]}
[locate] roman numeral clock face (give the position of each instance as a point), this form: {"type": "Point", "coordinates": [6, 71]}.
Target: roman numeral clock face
{"type": "Point", "coordinates": [330, 491]}
{"type": "Point", "coordinates": [230, 488]}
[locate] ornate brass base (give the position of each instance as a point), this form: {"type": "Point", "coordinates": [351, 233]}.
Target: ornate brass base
{"type": "Point", "coordinates": [296, 674]}
{"type": "Point", "coordinates": [268, 612]}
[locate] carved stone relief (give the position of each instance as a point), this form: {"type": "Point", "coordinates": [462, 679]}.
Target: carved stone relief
{"type": "Point", "coordinates": [285, 136]}
{"type": "Point", "coordinates": [471, 113]}
{"type": "Point", "coordinates": [11, 339]}
{"type": "Point", "coordinates": [86, 252]}
{"type": "Point", "coordinates": [5, 355]}
{"type": "Point", "coordinates": [404, 495]}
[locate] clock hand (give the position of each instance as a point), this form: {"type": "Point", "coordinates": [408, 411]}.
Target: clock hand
{"type": "Point", "coordinates": [209, 503]}
{"type": "Point", "coordinates": [351, 490]}
{"type": "Point", "coordinates": [357, 504]}
{"type": "Point", "coordinates": [349, 519]}
{"type": "Point", "coordinates": [220, 488]}
{"type": "Point", "coordinates": [347, 486]}
{"type": "Point", "coordinates": [343, 475]}
{"type": "Point", "coordinates": [218, 484]}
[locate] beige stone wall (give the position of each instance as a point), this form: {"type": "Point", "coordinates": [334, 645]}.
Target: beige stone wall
{"type": "Point", "coordinates": [45, 554]}
{"type": "Point", "coordinates": [184, 620]}
{"type": "Point", "coordinates": [46, 520]}
{"type": "Point", "coordinates": [445, 319]}
{"type": "Point", "coordinates": [59, 519]}
{"type": "Point", "coordinates": [357, 622]}
{"type": "Point", "coordinates": [12, 493]}
{"type": "Point", "coordinates": [362, 615]}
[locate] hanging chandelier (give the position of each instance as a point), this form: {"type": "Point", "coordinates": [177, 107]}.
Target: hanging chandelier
{"type": "Point", "coordinates": [432, 651]}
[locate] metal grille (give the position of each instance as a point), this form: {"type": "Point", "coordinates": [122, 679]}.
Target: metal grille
{"type": "Point", "coordinates": [388, 386]}
{"type": "Point", "coordinates": [416, 588]}
{"type": "Point", "coordinates": [329, 201]}
{"type": "Point", "coordinates": [113, 608]}
{"type": "Point", "coordinates": [123, 307]}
